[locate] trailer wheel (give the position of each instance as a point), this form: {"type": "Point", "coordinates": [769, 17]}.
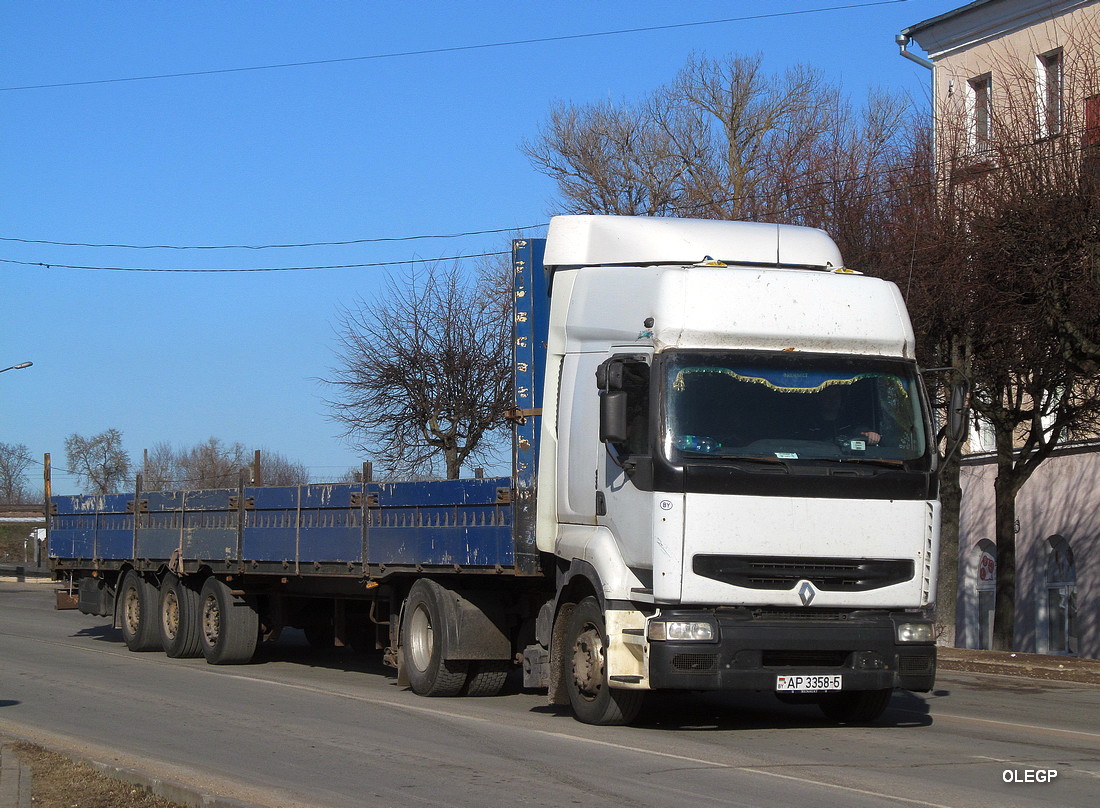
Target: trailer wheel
{"type": "Point", "coordinates": [593, 700]}
{"type": "Point", "coordinates": [137, 608]}
{"type": "Point", "coordinates": [856, 706]}
{"type": "Point", "coordinates": [487, 677]}
{"type": "Point", "coordinates": [230, 626]}
{"type": "Point", "coordinates": [180, 618]}
{"type": "Point", "coordinates": [423, 643]}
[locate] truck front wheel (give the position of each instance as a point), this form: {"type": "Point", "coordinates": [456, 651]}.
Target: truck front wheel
{"type": "Point", "coordinates": [593, 700]}
{"type": "Point", "coordinates": [423, 643]}
{"type": "Point", "coordinates": [230, 625]}
{"type": "Point", "coordinates": [137, 605]}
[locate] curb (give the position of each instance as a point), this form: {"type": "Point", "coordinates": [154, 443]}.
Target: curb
{"type": "Point", "coordinates": [1018, 664]}
{"type": "Point", "coordinates": [169, 789]}
{"type": "Point", "coordinates": [15, 780]}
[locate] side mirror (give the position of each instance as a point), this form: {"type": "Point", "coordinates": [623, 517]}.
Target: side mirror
{"type": "Point", "coordinates": [956, 410]}
{"type": "Point", "coordinates": [613, 416]}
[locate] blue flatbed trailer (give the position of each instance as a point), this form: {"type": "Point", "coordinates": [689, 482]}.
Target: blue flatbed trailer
{"type": "Point", "coordinates": [359, 530]}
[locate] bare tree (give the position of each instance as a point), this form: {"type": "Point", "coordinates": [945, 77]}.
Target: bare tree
{"type": "Point", "coordinates": [15, 459]}
{"type": "Point", "coordinates": [278, 469]}
{"type": "Point", "coordinates": [160, 468]}
{"type": "Point", "coordinates": [215, 464]}
{"type": "Point", "coordinates": [425, 372]}
{"type": "Point", "coordinates": [99, 461]}
{"type": "Point", "coordinates": [726, 140]}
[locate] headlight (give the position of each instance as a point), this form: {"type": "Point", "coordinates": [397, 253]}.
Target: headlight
{"type": "Point", "coordinates": [915, 632]}
{"type": "Point", "coordinates": [682, 630]}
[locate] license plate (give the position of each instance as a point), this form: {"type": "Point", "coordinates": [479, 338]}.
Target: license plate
{"type": "Point", "coordinates": [808, 684]}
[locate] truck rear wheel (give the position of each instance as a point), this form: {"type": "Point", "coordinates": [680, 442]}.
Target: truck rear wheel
{"type": "Point", "coordinates": [424, 641]}
{"type": "Point", "coordinates": [856, 706]}
{"type": "Point", "coordinates": [592, 698]}
{"type": "Point", "coordinates": [230, 626]}
{"type": "Point", "coordinates": [137, 606]}
{"type": "Point", "coordinates": [487, 677]}
{"type": "Point", "coordinates": [180, 618]}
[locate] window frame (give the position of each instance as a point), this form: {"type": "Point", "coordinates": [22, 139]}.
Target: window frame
{"type": "Point", "coordinates": [979, 111]}
{"type": "Point", "coordinates": [1049, 93]}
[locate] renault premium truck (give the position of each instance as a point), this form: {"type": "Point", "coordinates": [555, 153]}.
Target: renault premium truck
{"type": "Point", "coordinates": [724, 477]}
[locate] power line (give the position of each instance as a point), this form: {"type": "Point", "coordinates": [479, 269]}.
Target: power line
{"type": "Point", "coordinates": [458, 48]}
{"type": "Point", "coordinates": [379, 240]}
{"type": "Point", "coordinates": [45, 265]}
{"type": "Point", "coordinates": [904, 167]}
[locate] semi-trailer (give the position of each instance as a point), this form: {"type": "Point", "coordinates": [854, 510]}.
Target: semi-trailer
{"type": "Point", "coordinates": [724, 477]}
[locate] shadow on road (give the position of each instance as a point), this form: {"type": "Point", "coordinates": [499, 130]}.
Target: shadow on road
{"type": "Point", "coordinates": [731, 712]}
{"type": "Point", "coordinates": [104, 633]}
{"type": "Point", "coordinates": [679, 711]}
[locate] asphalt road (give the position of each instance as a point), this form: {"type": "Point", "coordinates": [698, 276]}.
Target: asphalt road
{"type": "Point", "coordinates": [300, 728]}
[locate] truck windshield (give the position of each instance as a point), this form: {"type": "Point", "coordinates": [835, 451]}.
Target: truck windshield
{"type": "Point", "coordinates": [788, 407]}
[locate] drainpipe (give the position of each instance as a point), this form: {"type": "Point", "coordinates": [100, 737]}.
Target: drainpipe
{"type": "Point", "coordinates": [903, 41]}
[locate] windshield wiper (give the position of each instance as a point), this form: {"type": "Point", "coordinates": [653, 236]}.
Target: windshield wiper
{"type": "Point", "coordinates": [873, 461]}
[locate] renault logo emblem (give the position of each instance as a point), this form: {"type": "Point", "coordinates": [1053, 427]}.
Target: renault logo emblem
{"type": "Point", "coordinates": [807, 593]}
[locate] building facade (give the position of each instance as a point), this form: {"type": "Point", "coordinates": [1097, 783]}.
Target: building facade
{"type": "Point", "coordinates": [1022, 68]}
{"type": "Point", "coordinates": [1016, 83]}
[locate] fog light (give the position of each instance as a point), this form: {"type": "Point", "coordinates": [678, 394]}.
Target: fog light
{"type": "Point", "coordinates": [915, 632]}
{"type": "Point", "coordinates": [682, 631]}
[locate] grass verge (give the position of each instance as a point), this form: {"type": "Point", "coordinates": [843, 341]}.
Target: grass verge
{"type": "Point", "coordinates": [60, 782]}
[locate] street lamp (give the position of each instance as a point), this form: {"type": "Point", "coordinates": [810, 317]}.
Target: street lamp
{"type": "Point", "coordinates": [20, 366]}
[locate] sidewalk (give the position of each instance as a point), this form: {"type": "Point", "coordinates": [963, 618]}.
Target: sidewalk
{"type": "Point", "coordinates": [1012, 663]}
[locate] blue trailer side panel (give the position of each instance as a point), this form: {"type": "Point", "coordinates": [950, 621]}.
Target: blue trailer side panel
{"type": "Point", "coordinates": [313, 523]}
{"type": "Point", "coordinates": [531, 304]}
{"type": "Point", "coordinates": [463, 522]}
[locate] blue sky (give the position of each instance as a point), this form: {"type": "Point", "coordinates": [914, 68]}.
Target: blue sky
{"type": "Point", "coordinates": [370, 148]}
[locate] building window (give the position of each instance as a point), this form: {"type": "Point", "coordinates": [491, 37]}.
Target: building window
{"type": "Point", "coordinates": [1092, 121]}
{"type": "Point", "coordinates": [1061, 598]}
{"type": "Point", "coordinates": [980, 111]}
{"type": "Point", "coordinates": [1048, 80]}
{"type": "Point", "coordinates": [985, 585]}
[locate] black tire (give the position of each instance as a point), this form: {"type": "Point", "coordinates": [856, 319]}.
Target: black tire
{"type": "Point", "coordinates": [592, 698]}
{"type": "Point", "coordinates": [180, 618]}
{"type": "Point", "coordinates": [229, 625]}
{"type": "Point", "coordinates": [138, 602]}
{"type": "Point", "coordinates": [423, 643]}
{"type": "Point", "coordinates": [855, 706]}
{"type": "Point", "coordinates": [487, 677]}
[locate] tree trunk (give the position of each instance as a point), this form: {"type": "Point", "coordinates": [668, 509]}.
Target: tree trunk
{"type": "Point", "coordinates": [947, 588]}
{"type": "Point", "coordinates": [1004, 615]}
{"type": "Point", "coordinates": [454, 465]}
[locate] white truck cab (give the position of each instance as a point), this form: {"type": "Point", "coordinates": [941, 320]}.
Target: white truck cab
{"type": "Point", "coordinates": [737, 463]}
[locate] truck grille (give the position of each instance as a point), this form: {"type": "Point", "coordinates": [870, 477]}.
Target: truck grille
{"type": "Point", "coordinates": [782, 572]}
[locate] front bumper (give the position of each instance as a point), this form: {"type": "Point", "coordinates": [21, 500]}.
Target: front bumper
{"type": "Point", "coordinates": [753, 648]}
